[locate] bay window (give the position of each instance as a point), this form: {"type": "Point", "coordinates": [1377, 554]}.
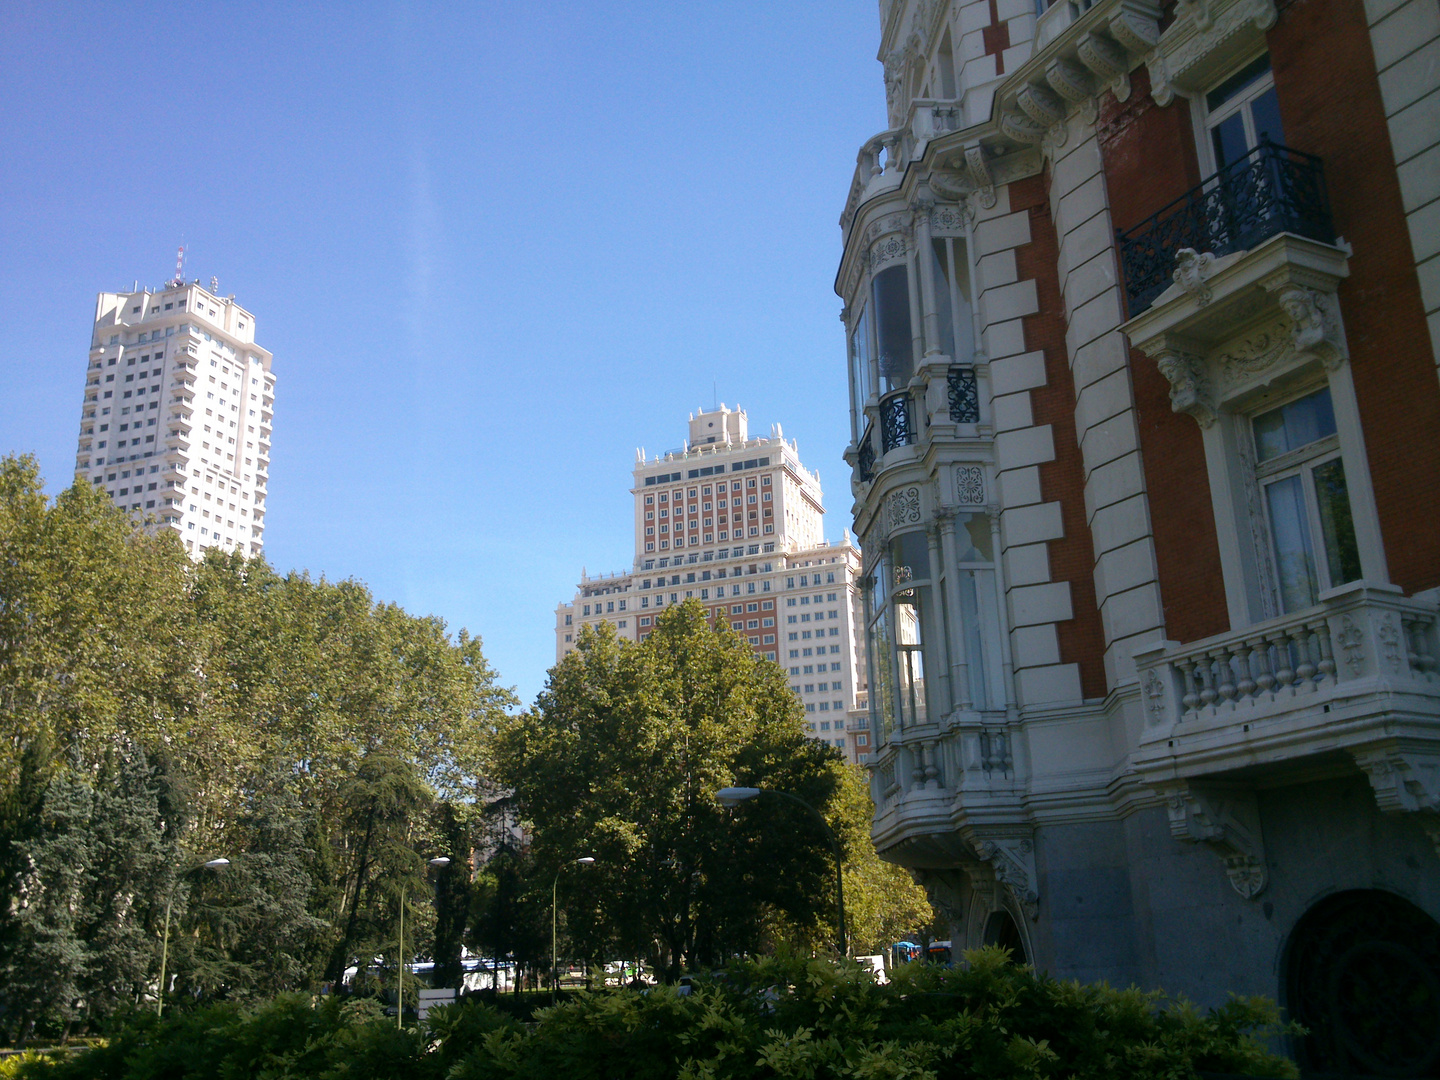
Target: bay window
{"type": "Point", "coordinates": [894, 336]}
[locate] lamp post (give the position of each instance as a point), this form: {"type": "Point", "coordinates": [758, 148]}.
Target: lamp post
{"type": "Point", "coordinates": [586, 860]}
{"type": "Point", "coordinates": [213, 864]}
{"type": "Point", "coordinates": [440, 860]}
{"type": "Point", "coordinates": [734, 796]}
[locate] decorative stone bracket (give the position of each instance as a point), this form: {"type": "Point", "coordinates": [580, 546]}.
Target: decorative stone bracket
{"type": "Point", "coordinates": [1012, 860]}
{"type": "Point", "coordinates": [1228, 821]}
{"type": "Point", "coordinates": [1405, 780]}
{"type": "Point", "coordinates": [1206, 37]}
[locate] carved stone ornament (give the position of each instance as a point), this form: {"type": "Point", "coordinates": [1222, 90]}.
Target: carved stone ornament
{"type": "Point", "coordinates": [1191, 270]}
{"type": "Point", "coordinates": [1351, 640]}
{"type": "Point", "coordinates": [1013, 861]}
{"type": "Point", "coordinates": [947, 220]}
{"type": "Point", "coordinates": [1071, 81]}
{"type": "Point", "coordinates": [1154, 690]}
{"type": "Point", "coordinates": [1021, 127]}
{"type": "Point", "coordinates": [1315, 324]}
{"type": "Point", "coordinates": [1200, 28]}
{"type": "Point", "coordinates": [949, 185]}
{"type": "Point", "coordinates": [1108, 61]}
{"type": "Point", "coordinates": [1226, 820]}
{"type": "Point", "coordinates": [980, 176]}
{"type": "Point", "coordinates": [903, 507]}
{"type": "Point", "coordinates": [1041, 104]}
{"type": "Point", "coordinates": [1256, 353]}
{"type": "Point", "coordinates": [1189, 385]}
{"type": "Point", "coordinates": [970, 485]}
{"type": "Point", "coordinates": [1404, 781]}
{"type": "Point", "coordinates": [890, 249]}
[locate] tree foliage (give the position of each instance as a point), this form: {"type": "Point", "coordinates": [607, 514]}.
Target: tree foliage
{"type": "Point", "coordinates": [621, 758]}
{"type": "Point", "coordinates": [156, 712]}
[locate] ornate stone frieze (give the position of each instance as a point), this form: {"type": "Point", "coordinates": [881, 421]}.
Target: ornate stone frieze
{"type": "Point", "coordinates": [1255, 353]}
{"type": "Point", "coordinates": [884, 252]}
{"type": "Point", "coordinates": [1227, 820]}
{"type": "Point", "coordinates": [970, 485]}
{"type": "Point", "coordinates": [947, 220]}
{"type": "Point", "coordinates": [1012, 858]}
{"type": "Point", "coordinates": [903, 507]}
{"type": "Point", "coordinates": [1205, 36]}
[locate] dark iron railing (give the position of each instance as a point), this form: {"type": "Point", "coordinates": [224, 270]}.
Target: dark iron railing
{"type": "Point", "coordinates": [895, 427]}
{"type": "Point", "coordinates": [1271, 190]}
{"type": "Point", "coordinates": [964, 396]}
{"type": "Point", "coordinates": [865, 456]}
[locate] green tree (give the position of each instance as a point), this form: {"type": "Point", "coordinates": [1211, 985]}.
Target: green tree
{"type": "Point", "coordinates": [621, 758]}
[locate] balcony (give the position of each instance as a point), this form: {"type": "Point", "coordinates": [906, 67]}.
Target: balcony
{"type": "Point", "coordinates": [1271, 191]}
{"type": "Point", "coordinates": [865, 455]}
{"type": "Point", "coordinates": [1354, 676]}
{"type": "Point", "coordinates": [896, 428]}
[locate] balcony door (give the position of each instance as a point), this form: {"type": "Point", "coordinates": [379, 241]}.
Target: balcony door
{"type": "Point", "coordinates": [1239, 111]}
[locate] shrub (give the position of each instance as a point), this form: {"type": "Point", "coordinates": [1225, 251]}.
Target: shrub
{"type": "Point", "coordinates": [770, 1018]}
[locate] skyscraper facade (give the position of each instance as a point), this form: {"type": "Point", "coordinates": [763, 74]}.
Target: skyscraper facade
{"type": "Point", "coordinates": [1143, 309]}
{"type": "Point", "coordinates": [176, 421]}
{"type": "Point", "coordinates": [736, 523]}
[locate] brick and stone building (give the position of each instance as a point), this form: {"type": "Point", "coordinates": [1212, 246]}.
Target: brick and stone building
{"type": "Point", "coordinates": [1143, 306]}
{"type": "Point", "coordinates": [176, 422]}
{"type": "Point", "coordinates": [736, 523]}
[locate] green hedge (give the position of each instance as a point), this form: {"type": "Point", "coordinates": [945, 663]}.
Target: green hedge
{"type": "Point", "coordinates": [774, 1018]}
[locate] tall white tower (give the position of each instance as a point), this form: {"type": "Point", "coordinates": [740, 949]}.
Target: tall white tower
{"type": "Point", "coordinates": [737, 523]}
{"type": "Point", "coordinates": [177, 416]}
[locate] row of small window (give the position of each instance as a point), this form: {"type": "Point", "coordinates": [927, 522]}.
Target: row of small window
{"type": "Point", "coordinates": [711, 556]}
{"type": "Point", "coordinates": [710, 470]}
{"type": "Point", "coordinates": [811, 669]}
{"type": "Point", "coordinates": [818, 688]}
{"type": "Point", "coordinates": [804, 635]}
{"type": "Point", "coordinates": [805, 616]}
{"type": "Point", "coordinates": [695, 541]}
{"type": "Point", "coordinates": [860, 739]}
{"type": "Point", "coordinates": [805, 581]}
{"type": "Point", "coordinates": [705, 594]}
{"type": "Point", "coordinates": [819, 650]}
{"type": "Point", "coordinates": [705, 575]}
{"type": "Point", "coordinates": [824, 706]}
{"type": "Point", "coordinates": [707, 490]}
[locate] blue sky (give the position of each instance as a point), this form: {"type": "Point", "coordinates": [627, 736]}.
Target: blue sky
{"type": "Point", "coordinates": [493, 247]}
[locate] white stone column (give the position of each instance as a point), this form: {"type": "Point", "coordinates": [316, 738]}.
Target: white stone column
{"type": "Point", "coordinates": [959, 666]}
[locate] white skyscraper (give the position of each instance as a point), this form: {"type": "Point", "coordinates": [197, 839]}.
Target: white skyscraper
{"type": "Point", "coordinates": [177, 415]}
{"type": "Point", "coordinates": [736, 523]}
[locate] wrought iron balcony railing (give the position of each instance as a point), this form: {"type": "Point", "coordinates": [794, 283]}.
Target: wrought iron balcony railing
{"type": "Point", "coordinates": [964, 396]}
{"type": "Point", "coordinates": [865, 456]}
{"type": "Point", "coordinates": [895, 427]}
{"type": "Point", "coordinates": [1271, 190]}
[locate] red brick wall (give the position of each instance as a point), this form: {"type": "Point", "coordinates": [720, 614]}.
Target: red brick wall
{"type": "Point", "coordinates": [1150, 160]}
{"type": "Point", "coordinates": [1072, 558]}
{"type": "Point", "coordinates": [1330, 105]}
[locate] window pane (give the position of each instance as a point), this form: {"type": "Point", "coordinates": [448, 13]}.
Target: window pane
{"type": "Point", "coordinates": [1295, 424]}
{"type": "Point", "coordinates": [1265, 110]}
{"type": "Point", "coordinates": [911, 554]}
{"type": "Point", "coordinates": [974, 644]}
{"type": "Point", "coordinates": [892, 328]}
{"type": "Point", "coordinates": [1294, 558]}
{"type": "Point", "coordinates": [946, 316]}
{"type": "Point", "coordinates": [910, 658]}
{"type": "Point", "coordinates": [883, 693]}
{"type": "Point", "coordinates": [1228, 138]}
{"type": "Point", "coordinates": [859, 373]}
{"type": "Point", "coordinates": [1342, 556]}
{"type": "Point", "coordinates": [1234, 86]}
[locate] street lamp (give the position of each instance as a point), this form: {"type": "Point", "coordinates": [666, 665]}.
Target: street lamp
{"type": "Point", "coordinates": [438, 861]}
{"type": "Point", "coordinates": [734, 796]}
{"type": "Point", "coordinates": [213, 864]}
{"type": "Point", "coordinates": [586, 860]}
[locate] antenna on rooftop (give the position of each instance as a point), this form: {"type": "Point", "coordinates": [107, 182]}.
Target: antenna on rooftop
{"type": "Point", "coordinates": [215, 285]}
{"type": "Point", "coordinates": [178, 279]}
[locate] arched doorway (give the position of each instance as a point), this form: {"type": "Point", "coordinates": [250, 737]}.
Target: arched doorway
{"type": "Point", "coordinates": [1363, 976]}
{"type": "Point", "coordinates": [1000, 929]}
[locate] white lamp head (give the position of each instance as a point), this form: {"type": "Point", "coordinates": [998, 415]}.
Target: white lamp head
{"type": "Point", "coordinates": [586, 860]}
{"type": "Point", "coordinates": [215, 864]}
{"type": "Point", "coordinates": [734, 796]}
{"type": "Point", "coordinates": [440, 860]}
